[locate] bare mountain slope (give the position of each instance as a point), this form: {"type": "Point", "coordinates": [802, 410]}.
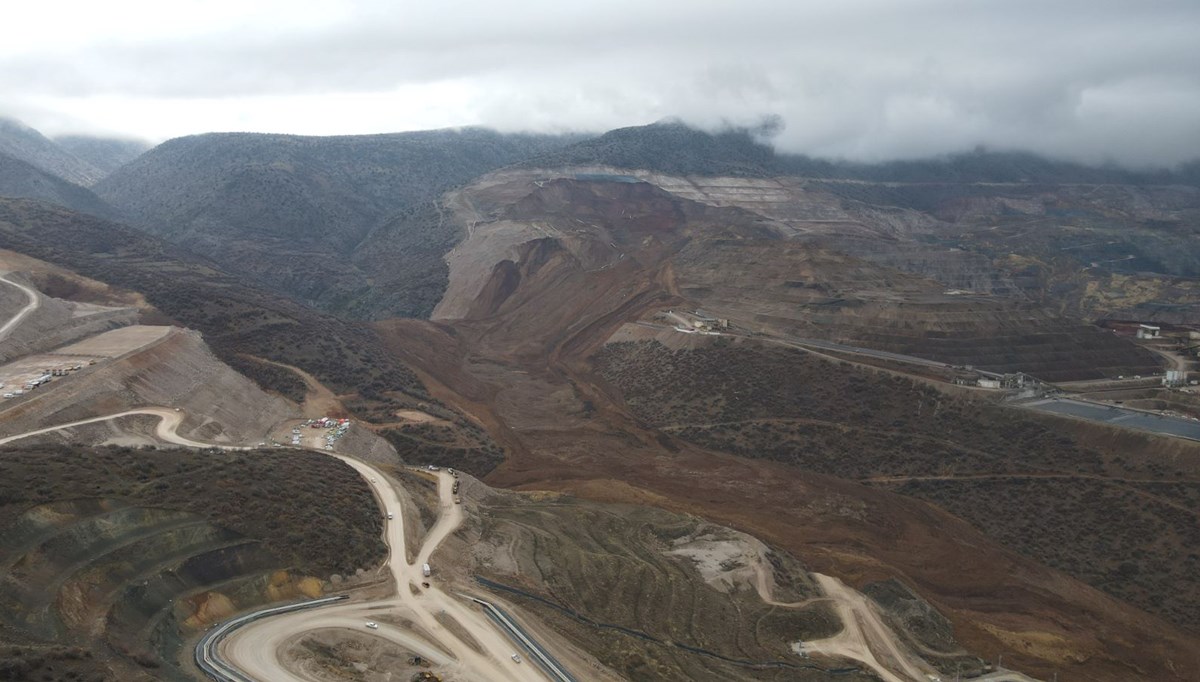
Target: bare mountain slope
{"type": "Point", "coordinates": [163, 366]}
{"type": "Point", "coordinates": [56, 322]}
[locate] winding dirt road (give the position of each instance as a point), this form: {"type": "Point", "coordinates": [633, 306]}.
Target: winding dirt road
{"type": "Point", "coordinates": [472, 649]}
{"type": "Point", "coordinates": [168, 425]}
{"type": "Point", "coordinates": [866, 638]}
{"type": "Point", "coordinates": [35, 302]}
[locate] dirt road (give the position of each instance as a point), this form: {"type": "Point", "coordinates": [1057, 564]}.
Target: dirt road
{"type": "Point", "coordinates": [35, 302]}
{"type": "Point", "coordinates": [474, 649]}
{"type": "Point", "coordinates": [865, 637]}
{"type": "Point", "coordinates": [259, 649]}
{"type": "Point", "coordinates": [319, 401]}
{"type": "Point", "coordinates": [169, 421]}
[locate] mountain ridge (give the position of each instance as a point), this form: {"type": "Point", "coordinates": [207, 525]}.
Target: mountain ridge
{"type": "Point", "coordinates": [104, 153]}
{"type": "Point", "coordinates": [27, 144]}
{"type": "Point", "coordinates": [23, 180]}
{"type": "Point", "coordinates": [676, 148]}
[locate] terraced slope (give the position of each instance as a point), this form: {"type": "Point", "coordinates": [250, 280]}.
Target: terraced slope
{"type": "Point", "coordinates": [57, 323]}
{"type": "Point", "coordinates": [655, 595]}
{"type": "Point", "coordinates": [1114, 513]}
{"type": "Point", "coordinates": [739, 265]}
{"type": "Point", "coordinates": [128, 552]}
{"type": "Point", "coordinates": [569, 262]}
{"type": "Point", "coordinates": [151, 366]}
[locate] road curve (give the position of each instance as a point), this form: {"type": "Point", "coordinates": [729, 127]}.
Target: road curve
{"type": "Point", "coordinates": [168, 425]}
{"type": "Point", "coordinates": [259, 649]}
{"type": "Point", "coordinates": [865, 637]}
{"type": "Point", "coordinates": [35, 302]}
{"type": "Point", "coordinates": [256, 648]}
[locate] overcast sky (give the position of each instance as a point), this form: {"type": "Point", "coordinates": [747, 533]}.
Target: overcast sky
{"type": "Point", "coordinates": [1094, 80]}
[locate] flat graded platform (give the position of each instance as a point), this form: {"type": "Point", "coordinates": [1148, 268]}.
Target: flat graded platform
{"type": "Point", "coordinates": [117, 342]}
{"type": "Point", "coordinates": [1118, 416]}
{"type": "Point", "coordinates": [104, 346]}
{"type": "Point", "coordinates": [16, 374]}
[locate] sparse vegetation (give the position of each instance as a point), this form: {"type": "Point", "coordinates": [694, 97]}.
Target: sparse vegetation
{"type": "Point", "coordinates": [1043, 492]}
{"type": "Point", "coordinates": [1119, 537]}
{"type": "Point", "coordinates": [348, 224]}
{"type": "Point", "coordinates": [313, 512]}
{"type": "Point", "coordinates": [603, 575]}
{"type": "Point", "coordinates": [170, 521]}
{"type": "Point", "coordinates": [235, 317]}
{"type": "Point", "coordinates": [271, 377]}
{"type": "Point", "coordinates": [476, 456]}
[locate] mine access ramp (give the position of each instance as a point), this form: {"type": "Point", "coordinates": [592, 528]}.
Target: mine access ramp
{"type": "Point", "coordinates": [532, 649]}
{"type": "Point", "coordinates": [209, 660]}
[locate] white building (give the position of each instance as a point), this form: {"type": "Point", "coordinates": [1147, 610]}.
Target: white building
{"type": "Point", "coordinates": [1175, 377]}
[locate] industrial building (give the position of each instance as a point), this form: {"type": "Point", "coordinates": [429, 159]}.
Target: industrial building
{"type": "Point", "coordinates": [1175, 377]}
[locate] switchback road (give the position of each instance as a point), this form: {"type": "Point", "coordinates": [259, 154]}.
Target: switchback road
{"type": "Point", "coordinates": [35, 302]}
{"type": "Point", "coordinates": [472, 648]}
{"type": "Point", "coordinates": [169, 421]}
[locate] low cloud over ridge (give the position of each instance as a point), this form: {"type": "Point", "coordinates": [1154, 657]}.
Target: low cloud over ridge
{"type": "Point", "coordinates": [862, 79]}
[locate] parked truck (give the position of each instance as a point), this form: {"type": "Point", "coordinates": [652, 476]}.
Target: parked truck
{"type": "Point", "coordinates": [425, 570]}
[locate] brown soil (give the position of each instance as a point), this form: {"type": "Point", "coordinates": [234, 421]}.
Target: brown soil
{"type": "Point", "coordinates": [534, 332]}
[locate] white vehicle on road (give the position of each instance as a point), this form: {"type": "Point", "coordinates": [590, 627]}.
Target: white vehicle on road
{"type": "Point", "coordinates": [373, 625]}
{"type": "Point", "coordinates": [516, 657]}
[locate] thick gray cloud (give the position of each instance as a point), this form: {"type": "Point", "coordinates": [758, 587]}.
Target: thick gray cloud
{"type": "Point", "coordinates": [862, 79]}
